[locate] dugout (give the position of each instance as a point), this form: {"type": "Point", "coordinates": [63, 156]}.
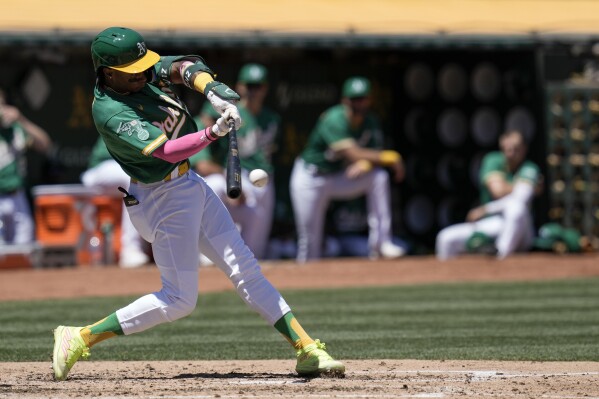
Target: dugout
{"type": "Point", "coordinates": [444, 89]}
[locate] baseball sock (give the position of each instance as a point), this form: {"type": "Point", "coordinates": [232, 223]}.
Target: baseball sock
{"type": "Point", "coordinates": [293, 331]}
{"type": "Point", "coordinates": [106, 328]}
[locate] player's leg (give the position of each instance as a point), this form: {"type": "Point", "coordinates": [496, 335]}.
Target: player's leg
{"type": "Point", "coordinates": [451, 241]}
{"type": "Point", "coordinates": [517, 232]}
{"type": "Point", "coordinates": [218, 184]}
{"type": "Point", "coordinates": [375, 185]}
{"type": "Point", "coordinates": [256, 217]}
{"type": "Point", "coordinates": [221, 241]}
{"type": "Point", "coordinates": [23, 219]}
{"type": "Point", "coordinates": [378, 200]}
{"type": "Point", "coordinates": [169, 217]}
{"type": "Point", "coordinates": [310, 199]}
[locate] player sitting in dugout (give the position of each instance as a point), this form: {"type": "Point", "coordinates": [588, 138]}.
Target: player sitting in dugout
{"type": "Point", "coordinates": [503, 223]}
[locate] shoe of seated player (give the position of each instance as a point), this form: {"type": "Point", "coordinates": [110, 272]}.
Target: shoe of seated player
{"type": "Point", "coordinates": [68, 348]}
{"type": "Point", "coordinates": [314, 360]}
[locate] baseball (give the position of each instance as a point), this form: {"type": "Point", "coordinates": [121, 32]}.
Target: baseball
{"type": "Point", "coordinates": [259, 177]}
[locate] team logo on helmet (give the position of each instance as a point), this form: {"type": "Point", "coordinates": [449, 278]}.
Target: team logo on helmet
{"type": "Point", "coordinates": [142, 48]}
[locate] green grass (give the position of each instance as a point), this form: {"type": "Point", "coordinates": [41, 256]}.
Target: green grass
{"type": "Point", "coordinates": [556, 320]}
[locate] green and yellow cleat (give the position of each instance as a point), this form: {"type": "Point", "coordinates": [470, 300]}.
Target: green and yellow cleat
{"type": "Point", "coordinates": [68, 348]}
{"type": "Point", "coordinates": [314, 360]}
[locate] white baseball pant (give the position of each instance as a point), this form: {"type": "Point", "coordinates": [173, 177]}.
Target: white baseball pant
{"type": "Point", "coordinates": [512, 227]}
{"type": "Point", "coordinates": [180, 218]}
{"type": "Point", "coordinates": [311, 194]}
{"type": "Point", "coordinates": [16, 219]}
{"type": "Point", "coordinates": [253, 216]}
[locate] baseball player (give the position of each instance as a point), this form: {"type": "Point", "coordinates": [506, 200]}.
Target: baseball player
{"type": "Point", "coordinates": [253, 210]}
{"type": "Point", "coordinates": [151, 134]}
{"type": "Point", "coordinates": [105, 173]}
{"type": "Point", "coordinates": [508, 184]}
{"type": "Point", "coordinates": [252, 86]}
{"type": "Point", "coordinates": [344, 159]}
{"type": "Point", "coordinates": [17, 133]}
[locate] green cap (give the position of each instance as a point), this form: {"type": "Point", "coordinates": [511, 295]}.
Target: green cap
{"type": "Point", "coordinates": [208, 110]}
{"type": "Point", "coordinates": [253, 74]}
{"type": "Point", "coordinates": [356, 86]}
{"type": "Point", "coordinates": [122, 49]}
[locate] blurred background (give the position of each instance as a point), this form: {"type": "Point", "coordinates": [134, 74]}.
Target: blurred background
{"type": "Point", "coordinates": [448, 77]}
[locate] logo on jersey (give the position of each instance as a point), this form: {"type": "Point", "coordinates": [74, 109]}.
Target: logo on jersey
{"type": "Point", "coordinates": [142, 48]}
{"type": "Point", "coordinates": [173, 123]}
{"type": "Point", "coordinates": [133, 127]}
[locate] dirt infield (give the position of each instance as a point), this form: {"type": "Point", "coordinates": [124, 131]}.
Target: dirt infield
{"type": "Point", "coordinates": [348, 272]}
{"type": "Point", "coordinates": [275, 379]}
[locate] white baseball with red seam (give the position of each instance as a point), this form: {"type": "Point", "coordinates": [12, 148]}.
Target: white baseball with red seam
{"type": "Point", "coordinates": [259, 177]}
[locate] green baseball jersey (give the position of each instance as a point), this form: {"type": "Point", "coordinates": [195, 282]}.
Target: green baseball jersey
{"type": "Point", "coordinates": [99, 153]}
{"type": "Point", "coordinates": [13, 143]}
{"type": "Point", "coordinates": [251, 154]}
{"type": "Point", "coordinates": [495, 162]}
{"type": "Point", "coordinates": [268, 130]}
{"type": "Point", "coordinates": [133, 126]}
{"type": "Point", "coordinates": [333, 131]}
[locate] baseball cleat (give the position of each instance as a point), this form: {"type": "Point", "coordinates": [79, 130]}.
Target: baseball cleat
{"type": "Point", "coordinates": [388, 250]}
{"type": "Point", "coordinates": [68, 348]}
{"type": "Point", "coordinates": [314, 360]}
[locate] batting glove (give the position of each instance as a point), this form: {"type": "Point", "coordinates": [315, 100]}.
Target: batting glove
{"type": "Point", "coordinates": [223, 105]}
{"type": "Point", "coordinates": [223, 124]}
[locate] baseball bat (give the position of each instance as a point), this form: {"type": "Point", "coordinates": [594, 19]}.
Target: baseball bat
{"type": "Point", "coordinates": [233, 165]}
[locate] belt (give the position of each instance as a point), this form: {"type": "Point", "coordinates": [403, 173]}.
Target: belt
{"type": "Point", "coordinates": [179, 171]}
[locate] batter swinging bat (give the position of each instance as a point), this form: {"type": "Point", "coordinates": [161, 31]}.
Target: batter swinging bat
{"type": "Point", "coordinates": [233, 165]}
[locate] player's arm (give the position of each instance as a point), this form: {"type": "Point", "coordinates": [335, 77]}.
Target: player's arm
{"type": "Point", "coordinates": [522, 193]}
{"type": "Point", "coordinates": [497, 185]}
{"type": "Point", "coordinates": [38, 138]}
{"type": "Point", "coordinates": [195, 74]}
{"type": "Point", "coordinates": [365, 158]}
{"type": "Point", "coordinates": [179, 149]}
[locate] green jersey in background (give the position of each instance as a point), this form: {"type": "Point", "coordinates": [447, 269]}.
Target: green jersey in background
{"type": "Point", "coordinates": [333, 129]}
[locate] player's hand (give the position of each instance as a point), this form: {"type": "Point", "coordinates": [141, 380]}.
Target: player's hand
{"type": "Point", "coordinates": [476, 214]}
{"type": "Point", "coordinates": [221, 105]}
{"type": "Point", "coordinates": [399, 171]}
{"type": "Point", "coordinates": [9, 115]}
{"type": "Point", "coordinates": [223, 124]}
{"type": "Point", "coordinates": [358, 169]}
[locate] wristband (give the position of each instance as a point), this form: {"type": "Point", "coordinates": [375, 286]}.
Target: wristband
{"type": "Point", "coordinates": [389, 157]}
{"type": "Point", "coordinates": [200, 81]}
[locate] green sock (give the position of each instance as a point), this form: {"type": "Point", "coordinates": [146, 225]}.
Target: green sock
{"type": "Point", "coordinates": [106, 328]}
{"type": "Point", "coordinates": [109, 324]}
{"type": "Point", "coordinates": [290, 328]}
